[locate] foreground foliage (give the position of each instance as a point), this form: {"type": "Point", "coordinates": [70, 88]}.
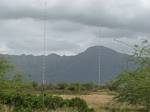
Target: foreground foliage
{"type": "Point", "coordinates": [14, 95]}
{"type": "Point", "coordinates": [19, 102]}
{"type": "Point", "coordinates": [133, 87]}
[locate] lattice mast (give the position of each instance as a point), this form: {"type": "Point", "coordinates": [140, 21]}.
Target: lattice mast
{"type": "Point", "coordinates": [99, 60]}
{"type": "Point", "coordinates": [44, 52]}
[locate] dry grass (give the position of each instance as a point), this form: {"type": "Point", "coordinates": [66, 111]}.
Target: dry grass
{"type": "Point", "coordinates": [94, 100]}
{"type": "Point", "coordinates": [103, 101]}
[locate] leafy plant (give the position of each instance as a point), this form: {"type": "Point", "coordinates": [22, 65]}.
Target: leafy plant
{"type": "Point", "coordinates": [5, 66]}
{"type": "Point", "coordinates": [133, 87]}
{"type": "Point", "coordinates": [21, 102]}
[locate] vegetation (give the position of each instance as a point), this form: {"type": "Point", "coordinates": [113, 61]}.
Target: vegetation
{"type": "Point", "coordinates": [133, 87]}
{"type": "Point", "coordinates": [5, 66]}
{"type": "Point", "coordinates": [67, 88]}
{"type": "Point", "coordinates": [15, 96]}
{"type": "Point", "coordinates": [21, 102]}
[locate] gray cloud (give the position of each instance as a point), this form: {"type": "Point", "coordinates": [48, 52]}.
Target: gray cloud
{"type": "Point", "coordinates": [72, 26]}
{"type": "Point", "coordinates": [112, 13]}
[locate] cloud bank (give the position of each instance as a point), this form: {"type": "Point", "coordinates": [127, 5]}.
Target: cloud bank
{"type": "Point", "coordinates": [71, 26]}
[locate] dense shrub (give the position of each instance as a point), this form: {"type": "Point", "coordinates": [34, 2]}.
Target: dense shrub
{"type": "Point", "coordinates": [28, 103]}
{"type": "Point", "coordinates": [80, 105]}
{"type": "Point", "coordinates": [62, 86]}
{"type": "Point", "coordinates": [134, 88]}
{"type": "Point", "coordinates": [53, 102]}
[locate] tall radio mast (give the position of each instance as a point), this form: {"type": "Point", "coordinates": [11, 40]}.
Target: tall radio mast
{"type": "Point", "coordinates": [99, 60]}
{"type": "Point", "coordinates": [44, 52]}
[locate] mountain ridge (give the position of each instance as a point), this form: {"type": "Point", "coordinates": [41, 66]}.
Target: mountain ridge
{"type": "Point", "coordinates": [82, 67]}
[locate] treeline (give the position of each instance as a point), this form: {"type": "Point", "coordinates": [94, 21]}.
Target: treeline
{"type": "Point", "coordinates": [67, 88]}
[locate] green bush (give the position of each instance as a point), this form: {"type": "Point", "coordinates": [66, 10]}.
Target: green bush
{"type": "Point", "coordinates": [27, 102]}
{"type": "Point", "coordinates": [53, 102]}
{"type": "Point", "coordinates": [62, 86]}
{"type": "Point", "coordinates": [80, 105]}
{"type": "Point", "coordinates": [133, 87]}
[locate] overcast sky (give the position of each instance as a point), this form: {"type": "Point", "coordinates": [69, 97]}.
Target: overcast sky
{"type": "Point", "coordinates": [71, 25]}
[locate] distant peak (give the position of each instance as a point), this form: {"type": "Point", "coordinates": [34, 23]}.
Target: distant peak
{"type": "Point", "coordinates": [93, 48]}
{"type": "Point", "coordinates": [54, 55]}
{"type": "Point", "coordinates": [96, 47]}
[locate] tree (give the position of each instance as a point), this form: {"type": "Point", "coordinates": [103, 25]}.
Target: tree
{"type": "Point", "coordinates": [18, 78]}
{"type": "Point", "coordinates": [141, 54]}
{"type": "Point", "coordinates": [5, 66]}
{"type": "Point", "coordinates": [134, 86]}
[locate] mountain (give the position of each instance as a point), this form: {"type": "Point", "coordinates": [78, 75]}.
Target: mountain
{"type": "Point", "coordinates": [83, 67]}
